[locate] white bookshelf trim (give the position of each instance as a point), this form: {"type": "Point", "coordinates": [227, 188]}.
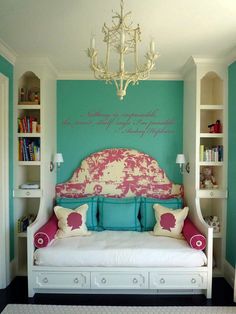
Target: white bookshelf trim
{"type": "Point", "coordinates": [4, 179]}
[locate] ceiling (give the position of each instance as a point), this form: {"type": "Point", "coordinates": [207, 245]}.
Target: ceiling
{"type": "Point", "coordinates": [61, 29]}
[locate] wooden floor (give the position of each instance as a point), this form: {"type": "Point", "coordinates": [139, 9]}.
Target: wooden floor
{"type": "Point", "coordinates": [222, 295]}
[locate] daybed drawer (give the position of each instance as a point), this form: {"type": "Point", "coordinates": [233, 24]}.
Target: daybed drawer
{"type": "Point", "coordinates": [180, 280]}
{"type": "Point", "coordinates": [63, 280]}
{"type": "Point", "coordinates": [119, 280]}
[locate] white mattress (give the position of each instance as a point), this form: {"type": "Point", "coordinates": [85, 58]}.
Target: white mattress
{"type": "Point", "coordinates": [120, 248]}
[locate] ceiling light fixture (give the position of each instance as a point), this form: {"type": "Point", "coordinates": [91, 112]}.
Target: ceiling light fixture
{"type": "Point", "coordinates": [123, 39]}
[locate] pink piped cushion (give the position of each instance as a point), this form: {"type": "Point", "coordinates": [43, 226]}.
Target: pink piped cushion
{"type": "Point", "coordinates": [193, 236]}
{"type": "Point", "coordinates": [46, 233]}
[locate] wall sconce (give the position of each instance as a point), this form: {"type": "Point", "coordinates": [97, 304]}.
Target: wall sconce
{"type": "Point", "coordinates": [58, 159]}
{"type": "Point", "coordinates": [180, 159]}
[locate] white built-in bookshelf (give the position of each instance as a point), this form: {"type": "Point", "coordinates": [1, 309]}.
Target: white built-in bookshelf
{"type": "Point", "coordinates": [205, 122]}
{"type": "Point", "coordinates": [34, 117]}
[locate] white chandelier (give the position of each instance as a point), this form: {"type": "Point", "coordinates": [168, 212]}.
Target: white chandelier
{"type": "Point", "coordinates": [123, 39]}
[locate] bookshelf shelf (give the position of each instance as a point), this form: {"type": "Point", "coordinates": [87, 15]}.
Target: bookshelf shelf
{"type": "Point", "coordinates": [211, 193]}
{"type": "Point", "coordinates": [211, 107]}
{"type": "Point", "coordinates": [211, 135]}
{"type": "Point", "coordinates": [29, 134]}
{"type": "Point", "coordinates": [29, 163]}
{"type": "Point", "coordinates": [211, 163]}
{"type": "Point", "coordinates": [29, 193]}
{"type": "Point", "coordinates": [31, 106]}
{"type": "Point", "coordinates": [22, 234]}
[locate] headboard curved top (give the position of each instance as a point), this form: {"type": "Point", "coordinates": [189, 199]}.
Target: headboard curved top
{"type": "Point", "coordinates": [119, 172]}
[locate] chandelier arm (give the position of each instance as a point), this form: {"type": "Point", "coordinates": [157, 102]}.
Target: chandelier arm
{"type": "Point", "coordinates": [107, 56]}
{"type": "Point", "coordinates": [136, 54]}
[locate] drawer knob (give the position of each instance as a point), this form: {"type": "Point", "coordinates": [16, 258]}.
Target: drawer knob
{"type": "Point", "coordinates": [135, 280]}
{"type": "Point", "coordinates": [45, 280]}
{"type": "Point", "coordinates": [28, 193]}
{"type": "Point", "coordinates": [162, 280]}
{"type": "Point", "coordinates": [193, 280]}
{"type": "Point", "coordinates": [104, 280]}
{"type": "Point", "coordinates": [76, 280]}
{"type": "Point", "coordinates": [211, 193]}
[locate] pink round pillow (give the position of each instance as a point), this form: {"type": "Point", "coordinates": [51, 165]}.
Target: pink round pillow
{"type": "Point", "coordinates": [193, 236]}
{"type": "Point", "coordinates": [46, 233]}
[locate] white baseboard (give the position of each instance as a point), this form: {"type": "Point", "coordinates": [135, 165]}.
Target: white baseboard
{"type": "Point", "coordinates": [229, 273]}
{"type": "Point", "coordinates": [12, 270]}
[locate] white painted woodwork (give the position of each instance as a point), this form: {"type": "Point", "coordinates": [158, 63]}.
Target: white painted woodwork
{"type": "Point", "coordinates": [34, 72]}
{"type": "Point", "coordinates": [58, 280]}
{"type": "Point", "coordinates": [170, 280]}
{"type": "Point", "coordinates": [205, 101]}
{"type": "Point", "coordinates": [4, 181]}
{"type": "Point", "coordinates": [119, 280]}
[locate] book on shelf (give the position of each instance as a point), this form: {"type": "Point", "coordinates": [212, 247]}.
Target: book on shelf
{"type": "Point", "coordinates": [27, 124]}
{"type": "Point", "coordinates": [29, 149]}
{"type": "Point", "coordinates": [211, 154]}
{"type": "Point", "coordinates": [24, 222]}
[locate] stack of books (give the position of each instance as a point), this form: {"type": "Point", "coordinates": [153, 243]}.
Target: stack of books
{"type": "Point", "coordinates": [24, 222]}
{"type": "Point", "coordinates": [29, 149]}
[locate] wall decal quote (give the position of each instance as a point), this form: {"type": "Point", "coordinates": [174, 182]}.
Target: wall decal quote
{"type": "Point", "coordinates": [138, 124]}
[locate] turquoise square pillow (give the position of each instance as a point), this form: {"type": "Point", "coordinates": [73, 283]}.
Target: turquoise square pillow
{"type": "Point", "coordinates": [119, 214]}
{"type": "Point", "coordinates": [147, 213]}
{"type": "Point", "coordinates": [91, 216]}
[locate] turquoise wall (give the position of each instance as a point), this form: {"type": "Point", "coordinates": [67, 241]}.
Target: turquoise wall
{"type": "Point", "coordinates": [231, 211]}
{"type": "Point", "coordinates": [6, 69]}
{"type": "Point", "coordinates": [90, 117]}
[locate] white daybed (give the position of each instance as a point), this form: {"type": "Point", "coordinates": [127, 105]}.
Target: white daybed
{"type": "Point", "coordinates": [120, 261]}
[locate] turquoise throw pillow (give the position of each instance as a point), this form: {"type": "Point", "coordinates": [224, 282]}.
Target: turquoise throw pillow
{"type": "Point", "coordinates": [119, 214]}
{"type": "Point", "coordinates": [147, 213]}
{"type": "Point", "coordinates": [91, 216]}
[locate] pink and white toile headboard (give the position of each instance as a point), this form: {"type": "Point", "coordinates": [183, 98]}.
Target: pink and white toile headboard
{"type": "Point", "coordinates": [119, 172]}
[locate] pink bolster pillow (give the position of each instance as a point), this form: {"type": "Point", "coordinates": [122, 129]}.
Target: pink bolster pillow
{"type": "Point", "coordinates": [46, 233]}
{"type": "Point", "coordinates": [193, 236]}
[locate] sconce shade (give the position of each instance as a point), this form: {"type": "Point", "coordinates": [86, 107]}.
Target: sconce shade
{"type": "Point", "coordinates": [58, 158]}
{"type": "Point", "coordinates": [180, 159]}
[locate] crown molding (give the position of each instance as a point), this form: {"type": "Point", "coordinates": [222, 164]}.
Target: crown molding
{"type": "Point", "coordinates": [37, 61]}
{"type": "Point", "coordinates": [194, 61]}
{"type": "Point", "coordinates": [8, 53]}
{"type": "Point", "coordinates": [88, 75]}
{"type": "Point", "coordinates": [231, 57]}
{"type": "Point", "coordinates": [209, 60]}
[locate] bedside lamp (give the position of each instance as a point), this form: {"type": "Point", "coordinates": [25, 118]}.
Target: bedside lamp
{"type": "Point", "coordinates": [180, 159]}
{"type": "Point", "coordinates": [58, 159]}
